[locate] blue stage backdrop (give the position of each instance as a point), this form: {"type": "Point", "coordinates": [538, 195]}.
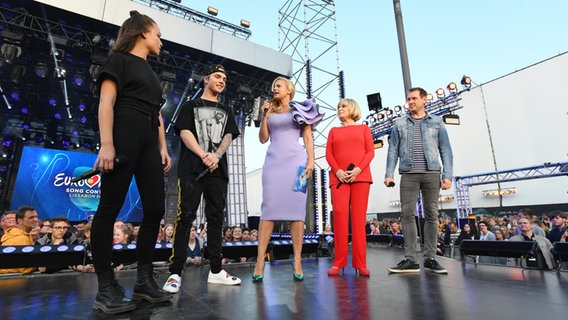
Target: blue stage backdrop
{"type": "Point", "coordinates": [44, 182]}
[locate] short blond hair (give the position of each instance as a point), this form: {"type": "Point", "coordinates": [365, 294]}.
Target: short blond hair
{"type": "Point", "coordinates": [354, 110]}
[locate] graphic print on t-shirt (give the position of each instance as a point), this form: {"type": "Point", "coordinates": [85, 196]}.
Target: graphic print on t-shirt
{"type": "Point", "coordinates": [210, 124]}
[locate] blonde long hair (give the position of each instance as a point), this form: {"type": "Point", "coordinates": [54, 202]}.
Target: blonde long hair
{"type": "Point", "coordinates": [276, 105]}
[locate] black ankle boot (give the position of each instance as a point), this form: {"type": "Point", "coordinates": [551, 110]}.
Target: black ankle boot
{"type": "Point", "coordinates": [110, 298]}
{"type": "Point", "coordinates": [146, 287]}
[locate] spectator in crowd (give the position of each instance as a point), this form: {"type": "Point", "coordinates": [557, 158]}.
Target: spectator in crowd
{"type": "Point", "coordinates": [327, 229]}
{"type": "Point", "coordinates": [121, 235]}
{"type": "Point", "coordinates": [8, 221]}
{"type": "Point", "coordinates": [118, 223]}
{"type": "Point", "coordinates": [194, 247]}
{"type": "Point", "coordinates": [227, 234]}
{"type": "Point", "coordinates": [528, 213]}
{"type": "Point", "coordinates": [87, 243]}
{"type": "Point", "coordinates": [527, 234]}
{"type": "Point", "coordinates": [135, 231]}
{"type": "Point", "coordinates": [246, 234]}
{"type": "Point", "coordinates": [505, 232]}
{"type": "Point", "coordinates": [512, 226]}
{"type": "Point", "coordinates": [467, 233]}
{"type": "Point", "coordinates": [80, 226]}
{"type": "Point", "coordinates": [374, 229]}
{"type": "Point", "coordinates": [19, 235]}
{"type": "Point", "coordinates": [59, 235]}
{"type": "Point", "coordinates": [451, 233]}
{"type": "Point", "coordinates": [168, 233]}
{"type": "Point", "coordinates": [492, 224]}
{"type": "Point", "coordinates": [499, 235]}
{"type": "Point", "coordinates": [395, 227]}
{"type": "Point", "coordinates": [45, 227]}
{"type": "Point", "coordinates": [237, 234]}
{"type": "Point", "coordinates": [253, 235]}
{"type": "Point", "coordinates": [484, 233]}
{"type": "Point", "coordinates": [559, 226]}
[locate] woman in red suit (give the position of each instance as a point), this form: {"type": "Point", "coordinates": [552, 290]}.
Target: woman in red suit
{"type": "Point", "coordinates": [349, 152]}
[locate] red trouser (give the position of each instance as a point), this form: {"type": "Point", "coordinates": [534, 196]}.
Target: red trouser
{"type": "Point", "coordinates": [352, 196]}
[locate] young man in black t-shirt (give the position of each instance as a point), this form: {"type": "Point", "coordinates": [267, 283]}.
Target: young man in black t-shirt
{"type": "Point", "coordinates": [206, 128]}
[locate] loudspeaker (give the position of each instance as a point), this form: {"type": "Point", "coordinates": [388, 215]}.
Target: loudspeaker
{"type": "Point", "coordinates": [374, 101]}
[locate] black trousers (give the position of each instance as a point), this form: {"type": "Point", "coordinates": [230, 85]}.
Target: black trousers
{"type": "Point", "coordinates": [135, 136]}
{"type": "Point", "coordinates": [214, 191]}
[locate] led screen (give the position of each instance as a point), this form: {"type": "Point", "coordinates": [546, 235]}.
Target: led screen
{"type": "Point", "coordinates": [44, 182]}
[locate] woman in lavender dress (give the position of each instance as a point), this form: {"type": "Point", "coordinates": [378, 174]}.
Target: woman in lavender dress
{"type": "Point", "coordinates": [283, 123]}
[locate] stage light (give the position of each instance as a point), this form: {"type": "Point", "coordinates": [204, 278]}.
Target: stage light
{"type": "Point", "coordinates": [59, 73]}
{"type": "Point", "coordinates": [429, 97]}
{"type": "Point", "coordinates": [212, 11]}
{"type": "Point", "coordinates": [380, 117]}
{"type": "Point", "coordinates": [57, 116]}
{"type": "Point", "coordinates": [83, 119]}
{"type": "Point", "coordinates": [10, 52]}
{"type": "Point", "coordinates": [389, 113]}
{"type": "Point", "coordinates": [451, 119]}
{"type": "Point", "coordinates": [245, 23]}
{"type": "Point", "coordinates": [17, 72]}
{"type": "Point", "coordinates": [94, 71]}
{"type": "Point", "coordinates": [466, 82]}
{"type": "Point", "coordinates": [374, 102]}
{"type": "Point", "coordinates": [452, 87]}
{"type": "Point", "coordinates": [111, 42]}
{"type": "Point", "coordinates": [96, 39]}
{"type": "Point", "coordinates": [41, 70]}
{"type": "Point", "coordinates": [52, 102]}
{"type": "Point", "coordinates": [81, 106]}
{"type": "Point", "coordinates": [79, 79]}
{"type": "Point", "coordinates": [25, 110]}
{"type": "Point", "coordinates": [398, 109]}
{"type": "Point", "coordinates": [440, 93]}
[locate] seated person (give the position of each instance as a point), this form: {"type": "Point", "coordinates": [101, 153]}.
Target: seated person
{"type": "Point", "coordinates": [87, 243]}
{"type": "Point", "coordinates": [19, 235]}
{"type": "Point", "coordinates": [8, 221]}
{"type": "Point", "coordinates": [194, 247]}
{"type": "Point", "coordinates": [122, 236]}
{"type": "Point", "coordinates": [59, 235]}
{"type": "Point", "coordinates": [526, 226]}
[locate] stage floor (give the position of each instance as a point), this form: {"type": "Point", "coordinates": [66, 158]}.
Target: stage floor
{"type": "Point", "coordinates": [468, 291]}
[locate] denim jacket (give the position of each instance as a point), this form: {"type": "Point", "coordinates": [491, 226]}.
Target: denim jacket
{"type": "Point", "coordinates": [436, 146]}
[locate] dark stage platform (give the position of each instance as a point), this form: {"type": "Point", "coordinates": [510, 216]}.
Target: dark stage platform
{"type": "Point", "coordinates": [468, 292]}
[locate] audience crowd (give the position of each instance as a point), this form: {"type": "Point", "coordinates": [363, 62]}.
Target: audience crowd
{"type": "Point", "coordinates": [22, 227]}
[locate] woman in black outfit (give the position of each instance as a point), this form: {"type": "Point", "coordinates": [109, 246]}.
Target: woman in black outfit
{"type": "Point", "coordinates": [130, 125]}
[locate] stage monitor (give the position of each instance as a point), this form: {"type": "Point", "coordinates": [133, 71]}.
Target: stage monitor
{"type": "Point", "coordinates": [44, 182]}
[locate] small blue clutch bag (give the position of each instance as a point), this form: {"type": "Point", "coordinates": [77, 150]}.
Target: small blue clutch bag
{"type": "Point", "coordinates": [301, 183]}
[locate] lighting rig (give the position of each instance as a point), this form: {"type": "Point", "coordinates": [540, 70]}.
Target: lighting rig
{"type": "Point", "coordinates": [446, 102]}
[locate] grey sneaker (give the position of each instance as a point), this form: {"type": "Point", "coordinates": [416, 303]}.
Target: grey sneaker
{"type": "Point", "coordinates": [405, 266]}
{"type": "Point", "coordinates": [433, 266]}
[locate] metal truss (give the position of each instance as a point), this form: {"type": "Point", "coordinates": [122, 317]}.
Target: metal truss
{"type": "Point", "coordinates": [176, 9]}
{"type": "Point", "coordinates": [463, 183]}
{"type": "Point", "coordinates": [307, 32]}
{"type": "Point", "coordinates": [439, 107]}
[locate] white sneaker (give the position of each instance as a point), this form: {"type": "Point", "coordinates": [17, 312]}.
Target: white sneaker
{"type": "Point", "coordinates": [173, 284]}
{"type": "Point", "coordinates": [223, 278]}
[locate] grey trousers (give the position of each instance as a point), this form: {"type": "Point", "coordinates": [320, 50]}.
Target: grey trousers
{"type": "Point", "coordinates": [411, 184]}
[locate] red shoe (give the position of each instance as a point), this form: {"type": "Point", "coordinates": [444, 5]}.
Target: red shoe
{"type": "Point", "coordinates": [333, 271]}
{"type": "Point", "coordinates": [363, 272]}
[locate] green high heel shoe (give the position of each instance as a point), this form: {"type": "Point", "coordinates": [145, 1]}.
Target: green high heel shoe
{"type": "Point", "coordinates": [257, 278]}
{"type": "Point", "coordinates": [299, 277]}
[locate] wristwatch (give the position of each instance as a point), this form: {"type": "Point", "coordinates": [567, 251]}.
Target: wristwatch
{"type": "Point", "coordinates": [219, 155]}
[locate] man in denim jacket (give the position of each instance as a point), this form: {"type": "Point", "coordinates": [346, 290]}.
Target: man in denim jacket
{"type": "Point", "coordinates": [420, 141]}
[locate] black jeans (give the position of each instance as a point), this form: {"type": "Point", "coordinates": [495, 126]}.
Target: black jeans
{"type": "Point", "coordinates": [136, 137]}
{"type": "Point", "coordinates": [214, 191]}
